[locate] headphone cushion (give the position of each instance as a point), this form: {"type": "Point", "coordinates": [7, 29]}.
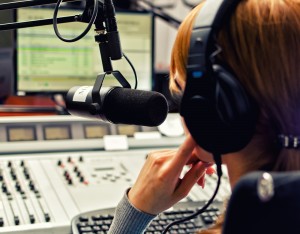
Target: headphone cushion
{"type": "Point", "coordinates": [225, 122]}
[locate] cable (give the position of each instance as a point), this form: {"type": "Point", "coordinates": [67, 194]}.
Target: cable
{"type": "Point", "coordinates": [217, 158]}
{"type": "Point", "coordinates": [87, 29]}
{"type": "Point", "coordinates": [133, 69]}
{"type": "Point", "coordinates": [191, 5]}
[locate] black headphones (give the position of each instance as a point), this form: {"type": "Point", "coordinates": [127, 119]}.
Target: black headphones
{"type": "Point", "coordinates": [217, 110]}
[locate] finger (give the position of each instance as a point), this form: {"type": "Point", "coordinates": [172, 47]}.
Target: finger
{"type": "Point", "coordinates": [201, 181]}
{"type": "Point", "coordinates": [183, 154]}
{"type": "Point", "coordinates": [190, 179]}
{"type": "Point", "coordinates": [193, 159]}
{"type": "Point", "coordinates": [159, 152]}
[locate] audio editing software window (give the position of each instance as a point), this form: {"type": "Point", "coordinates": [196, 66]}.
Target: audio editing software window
{"type": "Point", "coordinates": [46, 64]}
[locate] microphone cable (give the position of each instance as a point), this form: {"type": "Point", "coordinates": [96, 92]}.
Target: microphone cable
{"type": "Point", "coordinates": [87, 29]}
{"type": "Point", "coordinates": [217, 158]}
{"type": "Point", "coordinates": [133, 69]}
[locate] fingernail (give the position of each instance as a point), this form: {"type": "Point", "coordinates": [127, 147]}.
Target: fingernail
{"type": "Point", "coordinates": [208, 164]}
{"type": "Point", "coordinates": [203, 184]}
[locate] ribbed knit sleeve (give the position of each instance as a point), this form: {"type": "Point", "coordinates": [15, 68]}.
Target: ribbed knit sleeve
{"type": "Point", "coordinates": [128, 219]}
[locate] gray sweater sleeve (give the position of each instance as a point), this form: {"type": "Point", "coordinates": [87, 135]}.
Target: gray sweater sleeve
{"type": "Point", "coordinates": [128, 219]}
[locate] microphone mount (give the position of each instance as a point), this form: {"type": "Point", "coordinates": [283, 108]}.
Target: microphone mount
{"type": "Point", "coordinates": [101, 37]}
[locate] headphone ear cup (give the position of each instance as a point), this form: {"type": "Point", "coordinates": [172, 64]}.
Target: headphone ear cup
{"type": "Point", "coordinates": [236, 109]}
{"type": "Point", "coordinates": [232, 101]}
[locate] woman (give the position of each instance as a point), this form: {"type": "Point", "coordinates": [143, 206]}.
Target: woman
{"type": "Point", "coordinates": [261, 44]}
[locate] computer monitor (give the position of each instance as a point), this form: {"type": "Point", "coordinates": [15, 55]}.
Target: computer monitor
{"type": "Point", "coordinates": [45, 64]}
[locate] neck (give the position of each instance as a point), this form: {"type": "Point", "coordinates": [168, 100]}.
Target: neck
{"type": "Point", "coordinates": [235, 168]}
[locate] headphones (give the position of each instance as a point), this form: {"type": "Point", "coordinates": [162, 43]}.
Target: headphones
{"type": "Point", "coordinates": [219, 113]}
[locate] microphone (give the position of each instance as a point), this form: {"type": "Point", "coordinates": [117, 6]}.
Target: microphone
{"type": "Point", "coordinates": [118, 105]}
{"type": "Point", "coordinates": [112, 30]}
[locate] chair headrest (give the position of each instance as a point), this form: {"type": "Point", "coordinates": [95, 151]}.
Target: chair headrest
{"type": "Point", "coordinates": [264, 203]}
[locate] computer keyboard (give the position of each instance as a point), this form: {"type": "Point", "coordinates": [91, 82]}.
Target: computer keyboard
{"type": "Point", "coordinates": [99, 221]}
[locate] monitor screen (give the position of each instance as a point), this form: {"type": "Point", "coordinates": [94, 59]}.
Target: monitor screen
{"type": "Point", "coordinates": [45, 64]}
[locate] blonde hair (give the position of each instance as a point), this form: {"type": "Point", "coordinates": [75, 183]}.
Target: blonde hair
{"type": "Point", "coordinates": [261, 45]}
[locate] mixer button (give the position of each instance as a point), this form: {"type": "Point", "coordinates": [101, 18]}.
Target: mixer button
{"type": "Point", "coordinates": [66, 173]}
{"type": "Point", "coordinates": [22, 163]}
{"type": "Point", "coordinates": [59, 163]}
{"type": "Point", "coordinates": [9, 164]}
{"type": "Point", "coordinates": [1, 222]}
{"type": "Point", "coordinates": [80, 159]}
{"type": "Point", "coordinates": [86, 182]}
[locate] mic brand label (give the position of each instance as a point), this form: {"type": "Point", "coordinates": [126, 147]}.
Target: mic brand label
{"type": "Point", "coordinates": [81, 93]}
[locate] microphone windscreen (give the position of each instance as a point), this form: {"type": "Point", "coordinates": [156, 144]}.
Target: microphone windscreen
{"type": "Point", "coordinates": [138, 107]}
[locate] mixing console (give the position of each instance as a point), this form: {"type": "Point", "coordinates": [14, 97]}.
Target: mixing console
{"type": "Point", "coordinates": [44, 187]}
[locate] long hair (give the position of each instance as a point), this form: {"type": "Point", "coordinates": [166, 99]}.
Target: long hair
{"type": "Point", "coordinates": [261, 45]}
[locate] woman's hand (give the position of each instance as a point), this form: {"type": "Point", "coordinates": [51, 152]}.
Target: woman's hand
{"type": "Point", "coordinates": [159, 186]}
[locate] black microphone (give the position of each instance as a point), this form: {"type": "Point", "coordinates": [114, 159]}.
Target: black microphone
{"type": "Point", "coordinates": [118, 105]}
{"type": "Point", "coordinates": [113, 38]}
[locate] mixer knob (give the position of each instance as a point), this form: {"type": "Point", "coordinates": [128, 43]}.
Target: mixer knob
{"type": "Point", "coordinates": [31, 185]}
{"type": "Point", "coordinates": [16, 220]}
{"type": "Point", "coordinates": [47, 217]}
{"type": "Point", "coordinates": [9, 164]}
{"type": "Point", "coordinates": [26, 174]}
{"type": "Point", "coordinates": [4, 187]}
{"type": "Point", "coordinates": [18, 186]}
{"type": "Point", "coordinates": [31, 218]}
{"type": "Point", "coordinates": [13, 174]}
{"type": "Point", "coordinates": [9, 197]}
